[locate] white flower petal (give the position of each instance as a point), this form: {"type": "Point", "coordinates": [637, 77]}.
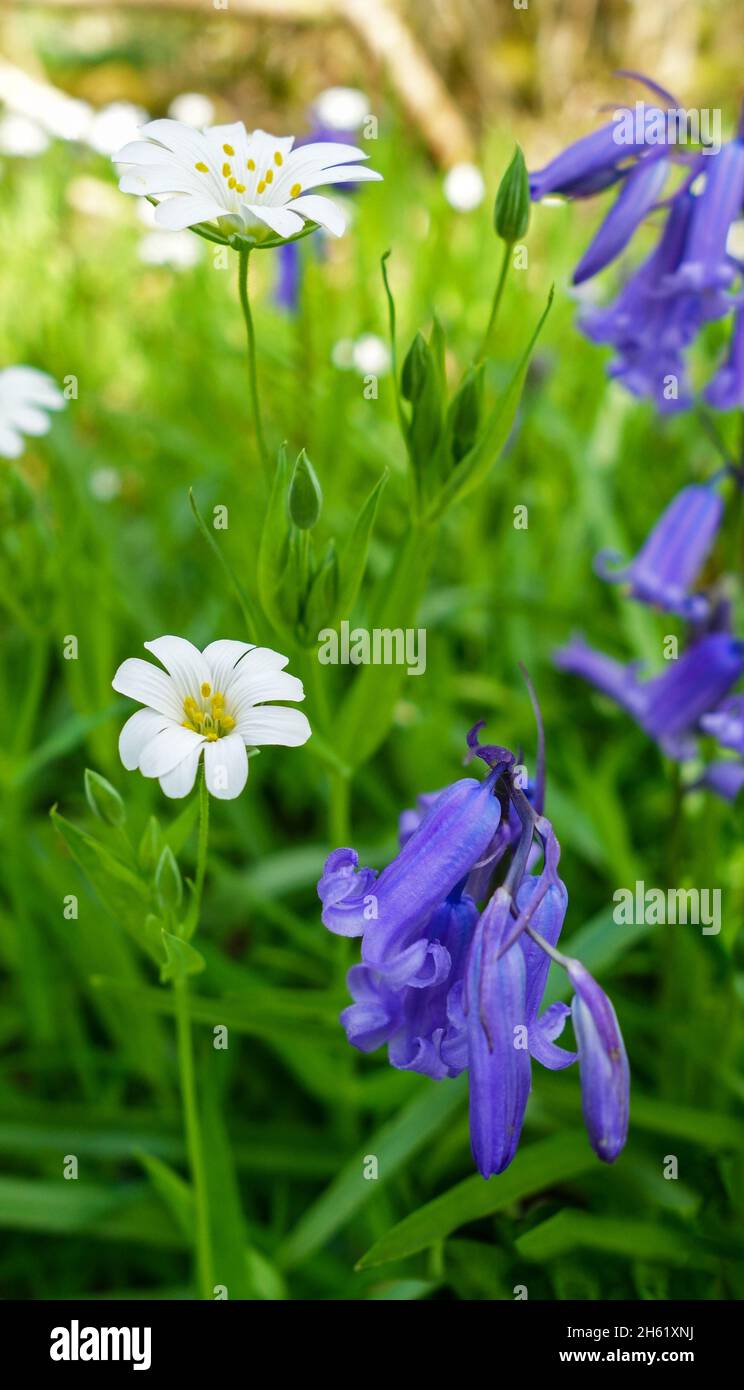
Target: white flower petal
{"type": "Point", "coordinates": [275, 724]}
{"type": "Point", "coordinates": [30, 419]}
{"type": "Point", "coordinates": [179, 781]}
{"type": "Point", "coordinates": [29, 384]}
{"type": "Point", "coordinates": [187, 211]}
{"type": "Point", "coordinates": [138, 731]}
{"type": "Point", "coordinates": [142, 681]}
{"type": "Point", "coordinates": [256, 661]}
{"type": "Point", "coordinates": [324, 153]}
{"type": "Point", "coordinates": [183, 661]}
{"type": "Point", "coordinates": [281, 221]}
{"type": "Point", "coordinates": [322, 211]}
{"type": "Point", "coordinates": [139, 152]}
{"type": "Point", "coordinates": [183, 141]}
{"type": "Point", "coordinates": [222, 657]}
{"type": "Point", "coordinates": [163, 178]}
{"type": "Point", "coordinates": [226, 767]}
{"type": "Point", "coordinates": [167, 749]}
{"type": "Point", "coordinates": [11, 443]}
{"type": "Point", "coordinates": [248, 690]}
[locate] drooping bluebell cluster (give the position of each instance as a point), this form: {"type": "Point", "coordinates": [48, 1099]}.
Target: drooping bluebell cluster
{"type": "Point", "coordinates": [693, 696]}
{"type": "Point", "coordinates": [691, 276]}
{"type": "Point", "coordinates": [457, 935]}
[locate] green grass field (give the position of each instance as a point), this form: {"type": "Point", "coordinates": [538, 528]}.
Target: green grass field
{"type": "Point", "coordinates": [99, 542]}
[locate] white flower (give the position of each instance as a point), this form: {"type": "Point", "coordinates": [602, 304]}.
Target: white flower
{"type": "Point", "coordinates": [176, 249]}
{"type": "Point", "coordinates": [113, 125]}
{"type": "Point", "coordinates": [254, 180]}
{"type": "Point", "coordinates": [25, 396]}
{"type": "Point", "coordinates": [192, 108]}
{"type": "Point", "coordinates": [371, 355]}
{"type": "Point", "coordinates": [22, 138]}
{"type": "Point", "coordinates": [212, 701]}
{"type": "Point", "coordinates": [464, 187]}
{"type": "Point", "coordinates": [341, 108]}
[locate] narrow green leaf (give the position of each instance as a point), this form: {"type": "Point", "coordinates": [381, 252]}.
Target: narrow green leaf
{"type": "Point", "coordinates": [353, 557]}
{"type": "Point", "coordinates": [536, 1168]}
{"type": "Point", "coordinates": [392, 1146]}
{"type": "Point", "coordinates": [635, 1240]}
{"type": "Point", "coordinates": [474, 468]}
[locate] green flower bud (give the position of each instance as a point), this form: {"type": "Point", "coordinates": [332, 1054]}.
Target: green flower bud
{"type": "Point", "coordinates": [511, 214]}
{"type": "Point", "coordinates": [150, 845]}
{"type": "Point", "coordinates": [104, 800]}
{"type": "Point", "coordinates": [305, 497]}
{"type": "Point", "coordinates": [168, 885]}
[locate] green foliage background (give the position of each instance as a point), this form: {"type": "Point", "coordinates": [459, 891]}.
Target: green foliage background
{"type": "Point", "coordinates": [87, 1046]}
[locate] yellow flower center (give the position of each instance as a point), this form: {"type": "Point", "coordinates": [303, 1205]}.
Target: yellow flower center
{"type": "Point", "coordinates": [207, 718]}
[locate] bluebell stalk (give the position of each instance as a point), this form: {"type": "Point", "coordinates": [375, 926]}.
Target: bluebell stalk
{"type": "Point", "coordinates": [458, 933]}
{"type": "Point", "coordinates": [690, 278]}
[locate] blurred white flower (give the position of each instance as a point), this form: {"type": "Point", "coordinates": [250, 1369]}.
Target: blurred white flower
{"type": "Point", "coordinates": [176, 249]}
{"type": "Point", "coordinates": [25, 397]}
{"type": "Point", "coordinates": [341, 108]}
{"type": "Point", "coordinates": [192, 108]}
{"type": "Point", "coordinates": [371, 355]}
{"type": "Point", "coordinates": [105, 484]}
{"type": "Point", "coordinates": [21, 137]}
{"type": "Point", "coordinates": [253, 180]}
{"type": "Point", "coordinates": [464, 187]}
{"type": "Point", "coordinates": [114, 125]}
{"type": "Point", "coordinates": [212, 702]}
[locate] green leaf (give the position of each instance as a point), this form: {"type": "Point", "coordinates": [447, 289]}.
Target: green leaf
{"type": "Point", "coordinates": [571, 1230]}
{"type": "Point", "coordinates": [367, 709]}
{"type": "Point", "coordinates": [246, 606]}
{"type": "Point", "coordinates": [475, 467]}
{"type": "Point", "coordinates": [392, 1146]}
{"type": "Point", "coordinates": [273, 555]}
{"type": "Point", "coordinates": [536, 1168]}
{"type": "Point", "coordinates": [104, 800]}
{"type": "Point", "coordinates": [353, 557]}
{"type": "Point", "coordinates": [175, 1192]}
{"type": "Point", "coordinates": [463, 418]}
{"type": "Point", "coordinates": [182, 959]}
{"type": "Point", "coordinates": [121, 891]}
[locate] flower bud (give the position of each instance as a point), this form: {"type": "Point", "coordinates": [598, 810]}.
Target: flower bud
{"type": "Point", "coordinates": [305, 498]}
{"type": "Point", "coordinates": [511, 214]}
{"type": "Point", "coordinates": [104, 800]}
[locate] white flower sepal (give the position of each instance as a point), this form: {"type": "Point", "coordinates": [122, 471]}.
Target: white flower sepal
{"type": "Point", "coordinates": [26, 395]}
{"type": "Point", "coordinates": [212, 702]}
{"type": "Point", "coordinates": [254, 184]}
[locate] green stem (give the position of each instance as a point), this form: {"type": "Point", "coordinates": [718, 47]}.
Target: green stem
{"type": "Point", "coordinates": [186, 1070]}
{"type": "Point", "coordinates": [202, 1234]}
{"type": "Point", "coordinates": [498, 293]}
{"type": "Point", "coordinates": [245, 305]}
{"type": "Point", "coordinates": [201, 848]}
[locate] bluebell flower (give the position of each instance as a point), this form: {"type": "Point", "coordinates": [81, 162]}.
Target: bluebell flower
{"type": "Point", "coordinates": [447, 985]}
{"type": "Point", "coordinates": [603, 1064]}
{"type": "Point", "coordinates": [669, 707]}
{"type": "Point", "coordinates": [689, 279]}
{"type": "Point", "coordinates": [673, 555]}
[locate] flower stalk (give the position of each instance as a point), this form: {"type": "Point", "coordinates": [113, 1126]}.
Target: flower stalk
{"type": "Point", "coordinates": [245, 304]}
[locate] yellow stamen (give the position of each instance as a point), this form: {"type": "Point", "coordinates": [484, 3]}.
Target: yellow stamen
{"type": "Point", "coordinates": [211, 736]}
{"type": "Point", "coordinates": [269, 175]}
{"type": "Point", "coordinates": [240, 188]}
{"type": "Point", "coordinates": [250, 164]}
{"type": "Point", "coordinates": [202, 167]}
{"type": "Point", "coordinates": [261, 188]}
{"type": "Point", "coordinates": [295, 190]}
{"type": "Point", "coordinates": [228, 723]}
{"type": "Point", "coordinates": [206, 689]}
{"type": "Point", "coordinates": [226, 170]}
{"type": "Point", "coordinates": [232, 183]}
{"type": "Point", "coordinates": [228, 149]}
{"type": "Point", "coordinates": [278, 158]}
